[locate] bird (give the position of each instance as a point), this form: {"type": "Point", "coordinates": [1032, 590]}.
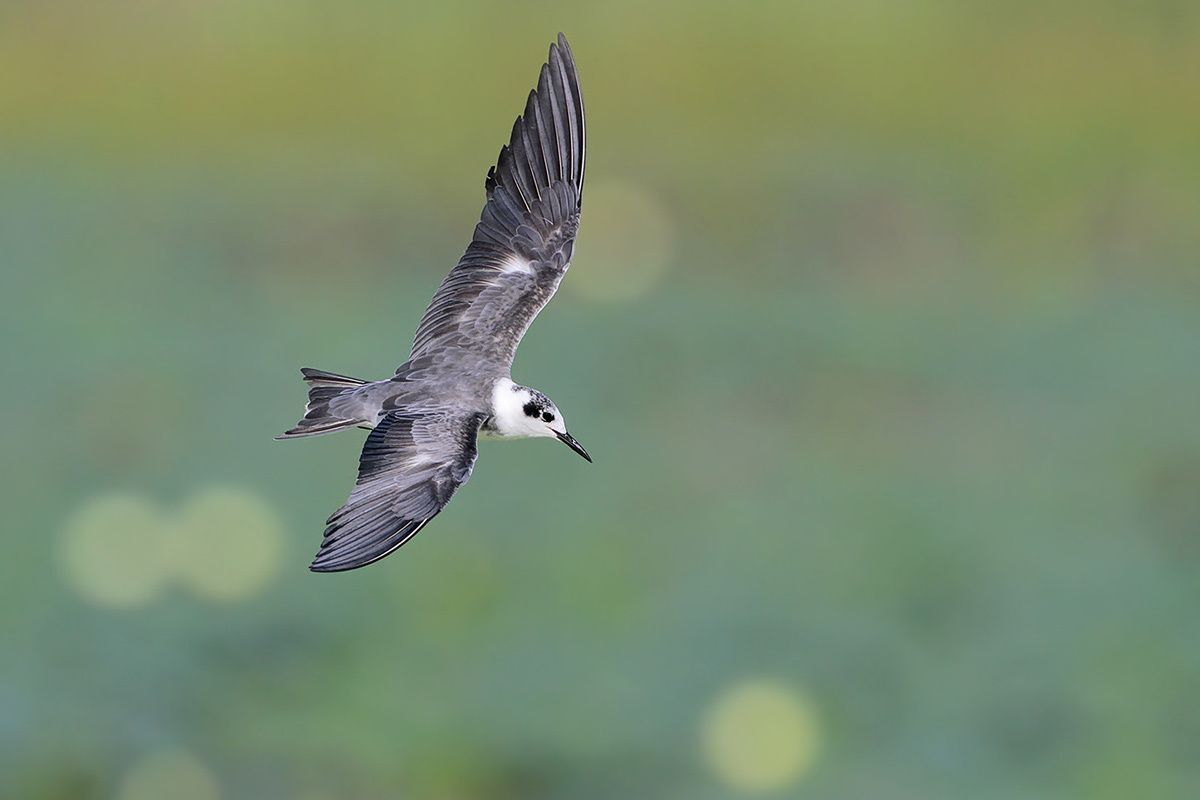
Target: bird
{"type": "Point", "coordinates": [456, 386]}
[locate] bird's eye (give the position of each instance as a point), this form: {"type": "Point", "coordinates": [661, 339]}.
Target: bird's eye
{"type": "Point", "coordinates": [547, 417]}
{"type": "Point", "coordinates": [531, 409]}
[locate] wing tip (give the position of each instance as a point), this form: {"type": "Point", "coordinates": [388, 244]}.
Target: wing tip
{"type": "Point", "coordinates": [552, 120]}
{"type": "Point", "coordinates": [564, 46]}
{"type": "Point", "coordinates": [323, 568]}
{"type": "Point", "coordinates": [350, 557]}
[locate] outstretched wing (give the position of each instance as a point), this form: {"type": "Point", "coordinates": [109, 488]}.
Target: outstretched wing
{"type": "Point", "coordinates": [523, 242]}
{"type": "Point", "coordinates": [410, 467]}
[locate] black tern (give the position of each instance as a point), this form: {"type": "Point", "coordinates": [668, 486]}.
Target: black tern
{"type": "Point", "coordinates": [425, 420]}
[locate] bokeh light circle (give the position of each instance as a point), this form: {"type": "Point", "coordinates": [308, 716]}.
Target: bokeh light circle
{"type": "Point", "coordinates": [760, 736]}
{"type": "Point", "coordinates": [230, 543]}
{"type": "Point", "coordinates": [115, 551]}
{"type": "Point", "coordinates": [628, 239]}
{"type": "Point", "coordinates": [174, 774]}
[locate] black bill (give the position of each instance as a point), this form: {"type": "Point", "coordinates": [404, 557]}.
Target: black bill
{"type": "Point", "coordinates": [570, 442]}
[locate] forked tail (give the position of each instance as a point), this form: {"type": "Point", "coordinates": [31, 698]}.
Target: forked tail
{"type": "Point", "coordinates": [323, 388]}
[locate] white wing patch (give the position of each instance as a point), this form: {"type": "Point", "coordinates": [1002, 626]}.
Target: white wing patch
{"type": "Point", "coordinates": [515, 263]}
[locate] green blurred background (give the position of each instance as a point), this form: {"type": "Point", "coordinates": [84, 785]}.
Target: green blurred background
{"type": "Point", "coordinates": [884, 331]}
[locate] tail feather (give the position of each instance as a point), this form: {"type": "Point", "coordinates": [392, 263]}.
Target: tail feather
{"type": "Point", "coordinates": [323, 387]}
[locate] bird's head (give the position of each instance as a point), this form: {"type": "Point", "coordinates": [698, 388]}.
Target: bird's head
{"type": "Point", "coordinates": [521, 412]}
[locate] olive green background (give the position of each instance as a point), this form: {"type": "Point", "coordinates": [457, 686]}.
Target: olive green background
{"type": "Point", "coordinates": [883, 330]}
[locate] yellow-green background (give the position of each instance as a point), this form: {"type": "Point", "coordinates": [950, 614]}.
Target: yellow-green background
{"type": "Point", "coordinates": [884, 331]}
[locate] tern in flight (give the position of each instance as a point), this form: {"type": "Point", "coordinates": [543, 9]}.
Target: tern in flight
{"type": "Point", "coordinates": [456, 385]}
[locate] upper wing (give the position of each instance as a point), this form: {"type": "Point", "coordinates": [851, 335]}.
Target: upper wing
{"type": "Point", "coordinates": [410, 467]}
{"type": "Point", "coordinates": [523, 242]}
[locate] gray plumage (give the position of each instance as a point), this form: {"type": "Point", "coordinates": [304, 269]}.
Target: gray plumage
{"type": "Point", "coordinates": [426, 419]}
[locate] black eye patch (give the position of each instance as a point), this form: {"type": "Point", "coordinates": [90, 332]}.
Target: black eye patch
{"type": "Point", "coordinates": [547, 417]}
{"type": "Point", "coordinates": [531, 409]}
